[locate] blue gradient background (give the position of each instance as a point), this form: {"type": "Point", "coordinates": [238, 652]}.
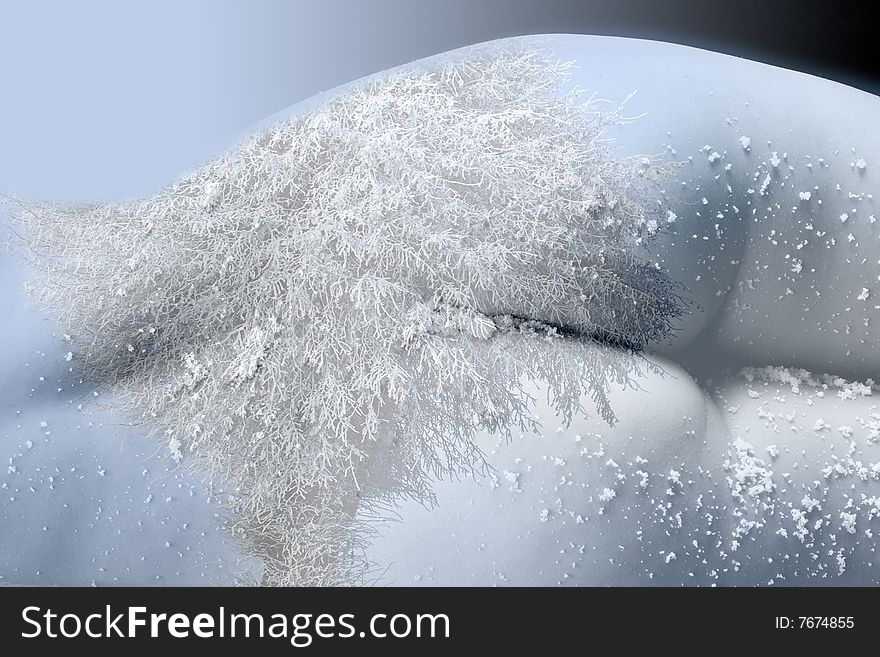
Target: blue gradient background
{"type": "Point", "coordinates": [103, 99]}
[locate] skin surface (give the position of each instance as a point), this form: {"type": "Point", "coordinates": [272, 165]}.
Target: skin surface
{"type": "Point", "coordinates": [545, 516]}
{"type": "Point", "coordinates": [708, 478]}
{"type": "Point", "coordinates": [737, 483]}
{"type": "Point", "coordinates": [738, 267]}
{"type": "Point", "coordinates": [693, 107]}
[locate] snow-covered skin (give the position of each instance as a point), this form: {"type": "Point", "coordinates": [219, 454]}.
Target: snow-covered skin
{"type": "Point", "coordinates": [706, 467]}
{"type": "Point", "coordinates": [85, 500]}
{"type": "Point", "coordinates": [775, 267]}
{"type": "Point", "coordinates": [777, 264]}
{"type": "Point", "coordinates": [553, 510]}
{"type": "Point", "coordinates": [743, 483]}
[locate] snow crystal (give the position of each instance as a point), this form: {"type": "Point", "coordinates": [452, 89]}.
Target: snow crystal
{"type": "Point", "coordinates": [174, 447]}
{"type": "Point", "coordinates": [848, 522]}
{"type": "Point", "coordinates": [607, 495]}
{"type": "Point", "coordinates": [512, 478]}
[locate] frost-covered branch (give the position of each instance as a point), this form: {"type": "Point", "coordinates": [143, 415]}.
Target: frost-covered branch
{"type": "Point", "coordinates": [325, 315]}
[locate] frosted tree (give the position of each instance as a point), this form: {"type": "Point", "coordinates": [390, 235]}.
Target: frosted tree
{"type": "Point", "coordinates": [325, 316]}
